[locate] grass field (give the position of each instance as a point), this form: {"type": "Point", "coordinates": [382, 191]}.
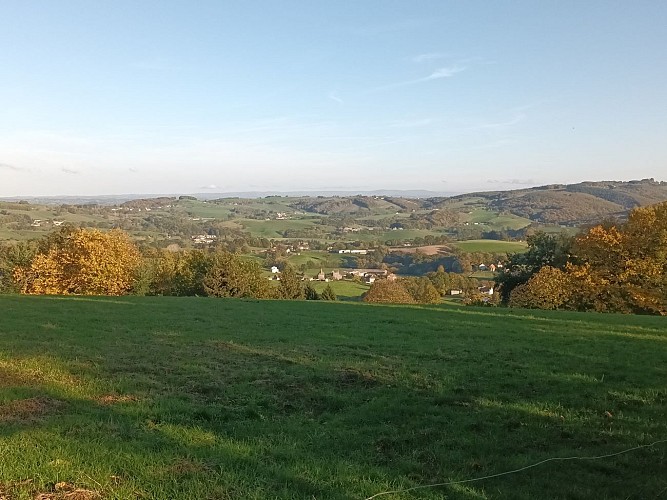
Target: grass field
{"type": "Point", "coordinates": [195, 398]}
{"type": "Point", "coordinates": [495, 220]}
{"type": "Point", "coordinates": [344, 290]}
{"type": "Point", "coordinates": [274, 228]}
{"type": "Point", "coordinates": [398, 235]}
{"type": "Point", "coordinates": [493, 246]}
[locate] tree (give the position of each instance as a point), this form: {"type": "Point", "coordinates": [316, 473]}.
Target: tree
{"type": "Point", "coordinates": [290, 287]}
{"type": "Point", "coordinates": [13, 256]}
{"type": "Point", "coordinates": [386, 291]}
{"type": "Point", "coordinates": [623, 268]}
{"type": "Point", "coordinates": [421, 290]}
{"type": "Point", "coordinates": [610, 267]}
{"type": "Point", "coordinates": [549, 288]}
{"type": "Point", "coordinates": [82, 262]}
{"type": "Point", "coordinates": [328, 293]}
{"type": "Point", "coordinates": [310, 293]}
{"type": "Point", "coordinates": [233, 276]}
{"type": "Point", "coordinates": [543, 250]}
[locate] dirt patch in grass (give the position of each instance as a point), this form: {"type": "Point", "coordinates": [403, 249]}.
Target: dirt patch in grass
{"type": "Point", "coordinates": [112, 399]}
{"type": "Point", "coordinates": [349, 377]}
{"type": "Point", "coordinates": [29, 409]}
{"type": "Point", "coordinates": [426, 250]}
{"type": "Point", "coordinates": [185, 466]}
{"type": "Point", "coordinates": [67, 491]}
{"type": "Point", "coordinates": [59, 491]}
{"type": "Point", "coordinates": [10, 379]}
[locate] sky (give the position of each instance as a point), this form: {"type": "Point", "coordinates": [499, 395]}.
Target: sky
{"type": "Point", "coordinates": [167, 97]}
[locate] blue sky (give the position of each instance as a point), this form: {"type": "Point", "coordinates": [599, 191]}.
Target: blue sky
{"type": "Point", "coordinates": [181, 97]}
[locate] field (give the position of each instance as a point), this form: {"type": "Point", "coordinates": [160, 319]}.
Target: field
{"type": "Point", "coordinates": [196, 398]}
{"type": "Point", "coordinates": [344, 290]}
{"type": "Point", "coordinates": [493, 220]}
{"type": "Point", "coordinates": [491, 246]}
{"type": "Point", "coordinates": [275, 228]}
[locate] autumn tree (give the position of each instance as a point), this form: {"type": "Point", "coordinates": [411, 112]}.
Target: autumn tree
{"type": "Point", "coordinates": [82, 262]}
{"type": "Point", "coordinates": [386, 291]}
{"type": "Point", "coordinates": [610, 267]}
{"type": "Point", "coordinates": [549, 288]}
{"type": "Point", "coordinates": [543, 250]}
{"type": "Point", "coordinates": [624, 268]}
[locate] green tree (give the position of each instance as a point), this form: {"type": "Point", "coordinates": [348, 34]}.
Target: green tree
{"type": "Point", "coordinates": [14, 256]}
{"type": "Point", "coordinates": [233, 276]}
{"type": "Point", "coordinates": [543, 250]}
{"type": "Point", "coordinates": [290, 286]}
{"type": "Point", "coordinates": [310, 293]}
{"type": "Point", "coordinates": [328, 293]}
{"type": "Point", "coordinates": [421, 290]}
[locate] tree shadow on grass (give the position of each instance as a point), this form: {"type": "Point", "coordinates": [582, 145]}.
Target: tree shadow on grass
{"type": "Point", "coordinates": [165, 411]}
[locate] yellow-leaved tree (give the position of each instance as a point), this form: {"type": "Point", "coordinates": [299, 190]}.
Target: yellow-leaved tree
{"type": "Point", "coordinates": [610, 268]}
{"type": "Point", "coordinates": [81, 262]}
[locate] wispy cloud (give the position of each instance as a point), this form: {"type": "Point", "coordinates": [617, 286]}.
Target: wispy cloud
{"type": "Point", "coordinates": [443, 73]}
{"type": "Point", "coordinates": [70, 171]}
{"type": "Point", "coordinates": [431, 56]}
{"type": "Point", "coordinates": [516, 182]}
{"type": "Point", "coordinates": [334, 97]}
{"type": "Point", "coordinates": [504, 124]}
{"type": "Point", "coordinates": [209, 187]}
{"type": "Point", "coordinates": [7, 166]}
{"type": "Point", "coordinates": [438, 74]}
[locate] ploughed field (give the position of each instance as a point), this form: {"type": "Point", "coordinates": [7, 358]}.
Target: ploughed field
{"type": "Point", "coordinates": [196, 398]}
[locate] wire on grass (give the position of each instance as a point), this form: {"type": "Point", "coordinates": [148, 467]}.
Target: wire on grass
{"type": "Point", "coordinates": [552, 459]}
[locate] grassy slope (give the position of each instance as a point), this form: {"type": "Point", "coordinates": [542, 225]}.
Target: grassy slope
{"type": "Point", "coordinates": [203, 398]}
{"type": "Point", "coordinates": [491, 246]}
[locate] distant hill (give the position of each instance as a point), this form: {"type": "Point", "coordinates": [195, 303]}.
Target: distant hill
{"type": "Point", "coordinates": [569, 204]}
{"type": "Point", "coordinates": [563, 204]}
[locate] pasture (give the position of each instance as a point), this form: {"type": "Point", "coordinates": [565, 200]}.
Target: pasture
{"type": "Point", "coordinates": [195, 398]}
{"type": "Point", "coordinates": [491, 246]}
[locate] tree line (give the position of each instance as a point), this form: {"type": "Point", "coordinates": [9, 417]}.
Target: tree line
{"type": "Point", "coordinates": [79, 261]}
{"type": "Point", "coordinates": [610, 267]}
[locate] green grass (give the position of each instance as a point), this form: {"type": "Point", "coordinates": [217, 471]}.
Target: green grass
{"type": "Point", "coordinates": [195, 398]}
{"type": "Point", "coordinates": [322, 260]}
{"type": "Point", "coordinates": [201, 209]}
{"type": "Point", "coordinates": [495, 220]}
{"type": "Point", "coordinates": [275, 228]}
{"type": "Point", "coordinates": [492, 246]}
{"type": "Point", "coordinates": [400, 234]}
{"type": "Point", "coordinates": [344, 290]}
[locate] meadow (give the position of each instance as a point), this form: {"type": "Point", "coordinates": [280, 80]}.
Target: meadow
{"type": "Point", "coordinates": [201, 398]}
{"type": "Point", "coordinates": [492, 246]}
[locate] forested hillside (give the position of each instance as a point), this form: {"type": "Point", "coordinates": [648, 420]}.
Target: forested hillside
{"type": "Point", "coordinates": [571, 204]}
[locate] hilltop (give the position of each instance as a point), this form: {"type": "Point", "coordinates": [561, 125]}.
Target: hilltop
{"type": "Point", "coordinates": [571, 204]}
